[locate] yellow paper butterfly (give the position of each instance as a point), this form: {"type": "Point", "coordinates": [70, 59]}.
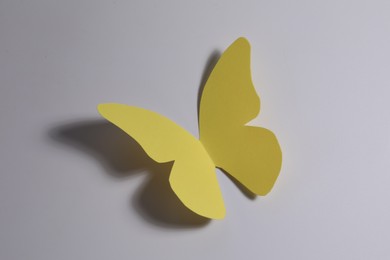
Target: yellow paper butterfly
{"type": "Point", "coordinates": [250, 154]}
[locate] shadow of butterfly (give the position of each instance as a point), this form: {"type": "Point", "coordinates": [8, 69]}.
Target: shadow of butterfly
{"type": "Point", "coordinates": [251, 155]}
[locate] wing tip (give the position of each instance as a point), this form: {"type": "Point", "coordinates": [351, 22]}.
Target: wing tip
{"type": "Point", "coordinates": [104, 108]}
{"type": "Point", "coordinates": [242, 41]}
{"type": "Point", "coordinates": [101, 107]}
{"type": "Point", "coordinates": [216, 214]}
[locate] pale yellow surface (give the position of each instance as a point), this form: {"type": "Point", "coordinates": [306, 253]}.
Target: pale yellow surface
{"type": "Point", "coordinates": [251, 155]}
{"type": "Point", "coordinates": [193, 176]}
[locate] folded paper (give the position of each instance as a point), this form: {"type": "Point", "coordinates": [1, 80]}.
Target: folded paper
{"type": "Point", "coordinates": [251, 155]}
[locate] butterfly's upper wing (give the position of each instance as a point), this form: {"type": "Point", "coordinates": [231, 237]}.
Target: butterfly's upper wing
{"type": "Point", "coordinates": [193, 177]}
{"type": "Point", "coordinates": [250, 154]}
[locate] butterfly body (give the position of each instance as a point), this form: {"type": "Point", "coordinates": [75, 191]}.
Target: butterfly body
{"type": "Point", "coordinates": [229, 101]}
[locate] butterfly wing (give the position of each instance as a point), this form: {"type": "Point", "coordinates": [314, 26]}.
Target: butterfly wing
{"type": "Point", "coordinates": [251, 155]}
{"type": "Point", "coordinates": [193, 176]}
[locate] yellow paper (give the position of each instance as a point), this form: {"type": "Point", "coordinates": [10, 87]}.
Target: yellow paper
{"type": "Point", "coordinates": [192, 176]}
{"type": "Point", "coordinates": [250, 154]}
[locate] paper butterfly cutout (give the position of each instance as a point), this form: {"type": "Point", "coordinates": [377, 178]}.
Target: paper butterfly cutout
{"type": "Point", "coordinates": [250, 154]}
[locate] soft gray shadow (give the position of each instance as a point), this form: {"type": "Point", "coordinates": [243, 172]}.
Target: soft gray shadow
{"type": "Point", "coordinates": [121, 156]}
{"type": "Point", "coordinates": [210, 64]}
{"type": "Point", "coordinates": [244, 190]}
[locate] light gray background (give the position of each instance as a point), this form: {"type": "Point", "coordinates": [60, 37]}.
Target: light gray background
{"type": "Point", "coordinates": [73, 187]}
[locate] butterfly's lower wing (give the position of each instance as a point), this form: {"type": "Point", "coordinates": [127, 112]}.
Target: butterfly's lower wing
{"type": "Point", "coordinates": [193, 177]}
{"type": "Point", "coordinates": [251, 155]}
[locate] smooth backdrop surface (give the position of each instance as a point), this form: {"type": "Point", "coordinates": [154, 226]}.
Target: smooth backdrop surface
{"type": "Point", "coordinates": [74, 187]}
